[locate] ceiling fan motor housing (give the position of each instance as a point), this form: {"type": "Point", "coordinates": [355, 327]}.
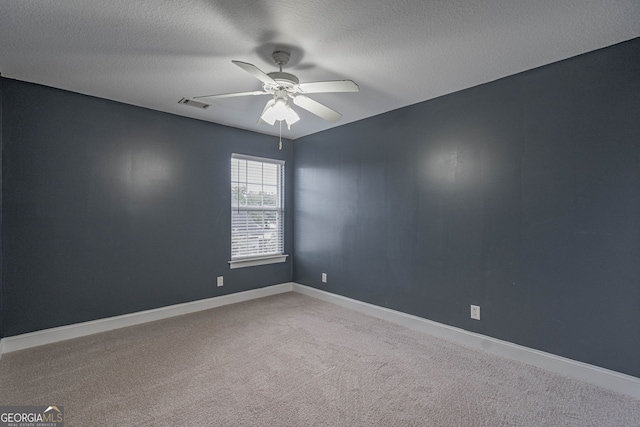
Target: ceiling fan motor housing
{"type": "Point", "coordinates": [284, 79]}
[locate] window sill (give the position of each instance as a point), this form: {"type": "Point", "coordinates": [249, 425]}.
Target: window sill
{"type": "Point", "coordinates": [251, 262]}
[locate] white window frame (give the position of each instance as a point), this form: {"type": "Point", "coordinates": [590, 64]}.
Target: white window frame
{"type": "Point", "coordinates": [240, 261]}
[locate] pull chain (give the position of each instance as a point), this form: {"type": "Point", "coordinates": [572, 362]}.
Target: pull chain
{"type": "Point", "coordinates": [280, 146]}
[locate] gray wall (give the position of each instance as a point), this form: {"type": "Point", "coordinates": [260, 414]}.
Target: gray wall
{"type": "Point", "coordinates": [1, 267]}
{"type": "Point", "coordinates": [521, 196]}
{"type": "Point", "coordinates": [111, 209]}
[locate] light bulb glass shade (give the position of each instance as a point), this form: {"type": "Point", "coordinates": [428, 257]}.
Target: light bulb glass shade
{"type": "Point", "coordinates": [266, 116]}
{"type": "Point", "coordinates": [276, 110]}
{"type": "Point", "coordinates": [291, 116]}
{"type": "Point", "coordinates": [280, 109]}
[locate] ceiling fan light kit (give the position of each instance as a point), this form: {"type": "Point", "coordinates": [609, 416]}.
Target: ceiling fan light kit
{"type": "Point", "coordinates": [278, 109]}
{"type": "Point", "coordinates": [284, 86]}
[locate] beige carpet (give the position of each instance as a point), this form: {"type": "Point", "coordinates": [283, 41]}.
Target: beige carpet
{"type": "Point", "coordinates": [291, 360]}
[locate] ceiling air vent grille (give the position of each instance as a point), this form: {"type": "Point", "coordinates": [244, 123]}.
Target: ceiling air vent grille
{"type": "Point", "coordinates": [193, 103]}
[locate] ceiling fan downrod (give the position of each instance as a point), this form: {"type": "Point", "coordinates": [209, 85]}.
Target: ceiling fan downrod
{"type": "Point", "coordinates": [281, 58]}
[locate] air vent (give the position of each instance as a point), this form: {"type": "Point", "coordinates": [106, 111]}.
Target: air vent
{"type": "Point", "coordinates": [193, 103]}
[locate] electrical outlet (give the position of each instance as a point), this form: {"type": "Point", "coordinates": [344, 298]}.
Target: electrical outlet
{"type": "Point", "coordinates": [324, 277]}
{"type": "Point", "coordinates": [475, 312]}
{"type": "Point", "coordinates": [220, 281]}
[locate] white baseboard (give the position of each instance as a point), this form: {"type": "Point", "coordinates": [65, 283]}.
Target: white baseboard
{"type": "Point", "coordinates": [48, 336]}
{"type": "Point", "coordinates": [612, 380]}
{"type": "Point", "coordinates": [616, 381]}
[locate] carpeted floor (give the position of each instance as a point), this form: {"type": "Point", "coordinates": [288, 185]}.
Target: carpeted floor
{"type": "Point", "coordinates": [291, 360]}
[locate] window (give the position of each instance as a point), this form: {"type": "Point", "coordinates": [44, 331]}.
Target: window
{"type": "Point", "coordinates": [257, 211]}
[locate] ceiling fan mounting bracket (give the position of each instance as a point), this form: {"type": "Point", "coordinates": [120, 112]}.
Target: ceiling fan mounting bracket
{"type": "Point", "coordinates": [281, 57]}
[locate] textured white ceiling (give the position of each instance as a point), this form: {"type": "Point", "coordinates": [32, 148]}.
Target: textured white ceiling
{"type": "Point", "coordinates": [400, 52]}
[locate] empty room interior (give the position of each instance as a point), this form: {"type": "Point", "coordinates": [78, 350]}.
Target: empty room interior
{"type": "Point", "coordinates": [320, 213]}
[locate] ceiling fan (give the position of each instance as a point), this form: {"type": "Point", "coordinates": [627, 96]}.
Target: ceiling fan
{"type": "Point", "coordinates": [284, 86]}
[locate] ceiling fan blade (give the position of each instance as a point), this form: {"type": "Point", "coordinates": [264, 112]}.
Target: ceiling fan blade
{"type": "Point", "coordinates": [329, 86]}
{"type": "Point", "coordinates": [231, 95]}
{"type": "Point", "coordinates": [317, 108]}
{"type": "Point", "coordinates": [255, 72]}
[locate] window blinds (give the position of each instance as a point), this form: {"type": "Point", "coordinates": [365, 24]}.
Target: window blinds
{"type": "Point", "coordinates": [257, 207]}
